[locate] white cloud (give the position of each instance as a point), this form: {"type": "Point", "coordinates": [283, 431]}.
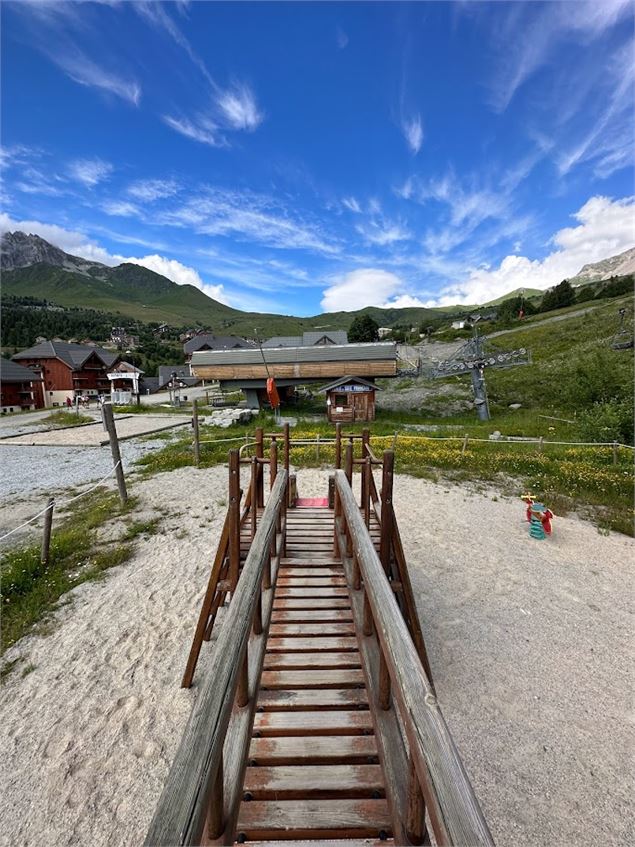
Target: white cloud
{"type": "Point", "coordinates": [121, 208]}
{"type": "Point", "coordinates": [153, 189]}
{"type": "Point", "coordinates": [201, 129]}
{"type": "Point", "coordinates": [352, 204]}
{"type": "Point", "coordinates": [359, 288]}
{"type": "Point", "coordinates": [605, 227]}
{"type": "Point", "coordinates": [239, 109]}
{"type": "Point", "coordinates": [179, 273]}
{"type": "Point", "coordinates": [383, 232]}
{"type": "Point", "coordinates": [90, 172]}
{"type": "Point", "coordinates": [35, 182]}
{"type": "Point", "coordinates": [412, 129]}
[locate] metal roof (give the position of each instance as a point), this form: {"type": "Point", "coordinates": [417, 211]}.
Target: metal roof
{"type": "Point", "coordinates": [377, 351]}
{"type": "Point", "coordinates": [214, 342]}
{"type": "Point", "coordinates": [307, 339]}
{"type": "Point", "coordinates": [346, 379]}
{"type": "Point", "coordinates": [71, 354]}
{"type": "Point", "coordinates": [13, 372]}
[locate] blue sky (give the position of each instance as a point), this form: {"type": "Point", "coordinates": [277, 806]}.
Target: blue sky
{"type": "Point", "coordinates": [297, 157]}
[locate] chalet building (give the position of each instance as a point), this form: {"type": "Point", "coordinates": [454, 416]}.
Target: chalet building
{"type": "Point", "coordinates": [308, 339]}
{"type": "Point", "coordinates": [207, 341]}
{"type": "Point", "coordinates": [20, 388]}
{"type": "Point", "coordinates": [350, 399]}
{"type": "Point", "coordinates": [125, 382]}
{"type": "Point", "coordinates": [69, 370]}
{"type": "Point", "coordinates": [120, 336]}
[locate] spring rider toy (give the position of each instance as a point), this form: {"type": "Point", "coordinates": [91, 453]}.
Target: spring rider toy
{"type": "Point", "coordinates": [538, 516]}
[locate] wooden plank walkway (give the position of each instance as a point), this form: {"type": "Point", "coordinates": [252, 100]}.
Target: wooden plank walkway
{"type": "Point", "coordinates": [313, 768]}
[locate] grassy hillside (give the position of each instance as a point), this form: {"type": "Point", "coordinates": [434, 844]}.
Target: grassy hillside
{"type": "Point", "coordinates": [146, 296]}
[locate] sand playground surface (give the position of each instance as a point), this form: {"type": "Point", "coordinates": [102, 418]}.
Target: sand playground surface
{"type": "Point", "coordinates": [530, 644]}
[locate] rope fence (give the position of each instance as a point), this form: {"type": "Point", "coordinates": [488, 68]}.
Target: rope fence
{"type": "Point", "coordinates": [51, 503]}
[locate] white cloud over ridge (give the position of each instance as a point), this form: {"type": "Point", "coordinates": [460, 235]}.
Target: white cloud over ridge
{"type": "Point", "coordinates": [179, 273]}
{"type": "Point", "coordinates": [605, 228]}
{"type": "Point", "coordinates": [366, 287]}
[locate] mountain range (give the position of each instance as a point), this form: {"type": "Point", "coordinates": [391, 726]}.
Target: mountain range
{"type": "Point", "coordinates": [32, 267]}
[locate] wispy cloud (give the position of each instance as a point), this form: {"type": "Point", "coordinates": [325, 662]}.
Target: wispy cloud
{"type": "Point", "coordinates": [536, 32]}
{"type": "Point", "coordinates": [150, 190]}
{"type": "Point", "coordinates": [86, 72]}
{"type": "Point", "coordinates": [202, 129]}
{"type": "Point", "coordinates": [352, 205]}
{"type": "Point", "coordinates": [90, 172]}
{"type": "Point", "coordinates": [341, 38]}
{"type": "Point", "coordinates": [239, 108]}
{"type": "Point", "coordinates": [383, 232]}
{"type": "Point", "coordinates": [412, 129]}
{"type": "Point", "coordinates": [249, 216]}
{"type": "Point", "coordinates": [121, 209]}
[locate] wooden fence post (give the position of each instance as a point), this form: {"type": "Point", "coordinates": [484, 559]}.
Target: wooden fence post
{"type": "Point", "coordinates": [273, 462]}
{"type": "Point", "coordinates": [386, 509]}
{"type": "Point", "coordinates": [46, 532]}
{"type": "Point", "coordinates": [416, 810]}
{"type": "Point", "coordinates": [197, 445]}
{"type": "Point", "coordinates": [348, 463]}
{"type": "Point", "coordinates": [234, 518]}
{"type": "Point", "coordinates": [260, 454]}
{"type": "Point", "coordinates": [464, 447]}
{"type": "Point", "coordinates": [111, 429]}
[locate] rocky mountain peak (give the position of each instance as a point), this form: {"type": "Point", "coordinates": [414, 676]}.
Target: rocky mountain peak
{"type": "Point", "coordinates": [20, 250]}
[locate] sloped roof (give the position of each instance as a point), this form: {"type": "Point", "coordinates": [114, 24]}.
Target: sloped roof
{"type": "Point", "coordinates": [376, 351]}
{"type": "Point", "coordinates": [215, 342]}
{"type": "Point", "coordinates": [345, 380]}
{"type": "Point", "coordinates": [13, 372]}
{"type": "Point", "coordinates": [74, 355]}
{"type": "Point", "coordinates": [307, 339]}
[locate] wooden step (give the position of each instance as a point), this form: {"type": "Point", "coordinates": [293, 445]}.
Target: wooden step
{"type": "Point", "coordinates": [307, 603]}
{"type": "Point", "coordinates": [306, 661]}
{"type": "Point", "coordinates": [334, 750]}
{"type": "Point", "coordinates": [295, 782]}
{"type": "Point", "coordinates": [311, 582]}
{"type": "Point", "coordinates": [312, 679]}
{"type": "Point", "coordinates": [310, 593]}
{"type": "Point", "coordinates": [308, 630]}
{"type": "Point", "coordinates": [320, 573]}
{"type": "Point", "coordinates": [313, 699]}
{"type": "Point", "coordinates": [312, 615]}
{"type": "Point", "coordinates": [298, 819]}
{"type": "Point", "coordinates": [334, 644]}
{"type": "Point", "coordinates": [316, 723]}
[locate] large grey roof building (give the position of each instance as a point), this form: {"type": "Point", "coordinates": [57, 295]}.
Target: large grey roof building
{"type": "Point", "coordinates": [74, 355]}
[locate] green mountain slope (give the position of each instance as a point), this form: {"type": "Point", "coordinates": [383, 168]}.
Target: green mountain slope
{"type": "Point", "coordinates": [144, 295]}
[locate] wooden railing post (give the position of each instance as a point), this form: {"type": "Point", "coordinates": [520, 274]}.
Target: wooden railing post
{"type": "Point", "coordinates": [273, 462]}
{"type": "Point", "coordinates": [364, 492]}
{"type": "Point", "coordinates": [367, 627]}
{"type": "Point", "coordinates": [46, 532]}
{"type": "Point", "coordinates": [416, 810]}
{"type": "Point", "coordinates": [258, 610]}
{"type": "Point", "coordinates": [367, 470]}
{"type": "Point", "coordinates": [348, 463]}
{"type": "Point", "coordinates": [197, 445]}
{"type": "Point", "coordinates": [234, 519]}
{"type": "Point", "coordinates": [260, 454]}
{"type": "Point", "coordinates": [215, 816]}
{"type": "Point", "coordinates": [338, 446]}
{"type": "Point", "coordinates": [386, 509]}
{"type": "Point", "coordinates": [253, 508]}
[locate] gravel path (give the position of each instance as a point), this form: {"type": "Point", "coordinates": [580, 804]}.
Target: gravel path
{"type": "Point", "coordinates": [530, 645]}
{"type": "Point", "coordinates": [92, 435]}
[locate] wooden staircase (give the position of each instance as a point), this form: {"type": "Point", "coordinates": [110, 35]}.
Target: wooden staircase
{"type": "Point", "coordinates": [313, 769]}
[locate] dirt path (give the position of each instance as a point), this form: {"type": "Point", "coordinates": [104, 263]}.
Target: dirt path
{"type": "Point", "coordinates": [530, 644]}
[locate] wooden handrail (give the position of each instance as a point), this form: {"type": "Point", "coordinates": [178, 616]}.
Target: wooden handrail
{"type": "Point", "coordinates": [180, 815]}
{"type": "Point", "coordinates": [454, 811]}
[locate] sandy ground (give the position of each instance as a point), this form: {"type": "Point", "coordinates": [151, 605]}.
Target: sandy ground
{"type": "Point", "coordinates": [92, 435]}
{"type": "Point", "coordinates": [530, 645]}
